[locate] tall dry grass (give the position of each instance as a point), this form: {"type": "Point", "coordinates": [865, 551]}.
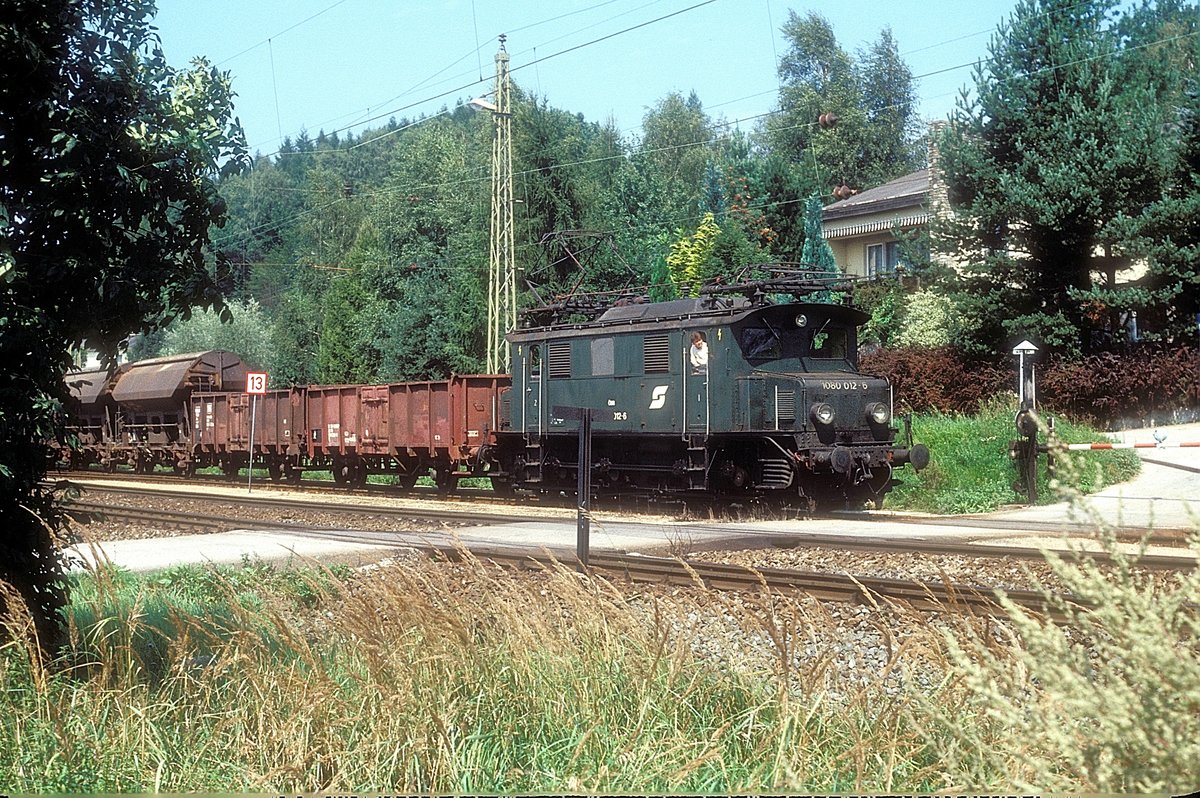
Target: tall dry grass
{"type": "Point", "coordinates": [434, 677]}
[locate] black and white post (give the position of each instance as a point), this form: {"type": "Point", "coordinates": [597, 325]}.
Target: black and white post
{"type": "Point", "coordinates": [1021, 350]}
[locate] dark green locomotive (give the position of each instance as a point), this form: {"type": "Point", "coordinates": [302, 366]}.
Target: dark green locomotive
{"type": "Point", "coordinates": [780, 410]}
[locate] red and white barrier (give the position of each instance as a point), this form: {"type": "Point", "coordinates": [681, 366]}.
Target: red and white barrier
{"type": "Point", "coordinates": [1083, 447]}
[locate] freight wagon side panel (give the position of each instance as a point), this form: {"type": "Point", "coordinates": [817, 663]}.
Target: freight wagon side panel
{"type": "Point", "coordinates": [210, 422]}
{"type": "Point", "coordinates": [476, 406]}
{"type": "Point", "coordinates": [375, 421]}
{"type": "Point", "coordinates": [333, 419]}
{"type": "Point", "coordinates": [277, 416]}
{"type": "Point", "coordinates": [411, 428]}
{"type": "Point", "coordinates": [441, 426]}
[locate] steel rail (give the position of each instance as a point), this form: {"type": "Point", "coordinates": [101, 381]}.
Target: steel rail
{"type": "Point", "coordinates": [827, 586]}
{"type": "Point", "coordinates": [288, 502]}
{"type": "Point", "coordinates": [470, 495]}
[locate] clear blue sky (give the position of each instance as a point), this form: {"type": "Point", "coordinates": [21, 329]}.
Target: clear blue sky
{"type": "Point", "coordinates": [333, 64]}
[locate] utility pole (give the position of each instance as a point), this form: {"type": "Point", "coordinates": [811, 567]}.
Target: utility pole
{"type": "Point", "coordinates": [502, 268]}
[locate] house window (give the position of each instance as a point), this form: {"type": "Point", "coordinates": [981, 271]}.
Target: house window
{"type": "Point", "coordinates": [882, 258]}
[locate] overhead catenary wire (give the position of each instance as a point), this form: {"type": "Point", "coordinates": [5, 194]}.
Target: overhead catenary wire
{"type": "Point", "coordinates": [461, 88]}
{"type": "Point", "coordinates": [479, 178]}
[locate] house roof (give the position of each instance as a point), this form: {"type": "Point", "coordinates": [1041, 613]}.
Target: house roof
{"type": "Point", "coordinates": [908, 191]}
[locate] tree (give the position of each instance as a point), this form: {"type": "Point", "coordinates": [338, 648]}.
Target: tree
{"type": "Point", "coordinates": [676, 145]}
{"type": "Point", "coordinates": [1166, 235]}
{"type": "Point", "coordinates": [889, 103]}
{"type": "Point", "coordinates": [871, 95]}
{"type": "Point", "coordinates": [243, 329]}
{"type": "Point", "coordinates": [108, 159]}
{"type": "Point", "coordinates": [691, 261]}
{"type": "Point", "coordinates": [817, 255]}
{"type": "Point", "coordinates": [1056, 147]}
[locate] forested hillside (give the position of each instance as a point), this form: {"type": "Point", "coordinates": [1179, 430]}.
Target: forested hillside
{"type": "Point", "coordinates": [364, 258]}
{"type": "Point", "coordinates": [1070, 165]}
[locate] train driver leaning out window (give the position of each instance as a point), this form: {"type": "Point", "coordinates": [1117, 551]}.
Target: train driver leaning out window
{"type": "Point", "coordinates": [699, 354]}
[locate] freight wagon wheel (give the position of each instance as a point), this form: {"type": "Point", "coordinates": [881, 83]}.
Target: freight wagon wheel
{"type": "Point", "coordinates": [445, 480]}
{"type": "Point", "coordinates": [407, 481]}
{"type": "Point", "coordinates": [341, 473]}
{"type": "Point", "coordinates": [358, 475]}
{"type": "Point", "coordinates": [275, 470]}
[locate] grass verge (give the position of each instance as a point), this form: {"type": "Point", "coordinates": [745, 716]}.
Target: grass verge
{"type": "Point", "coordinates": [970, 470]}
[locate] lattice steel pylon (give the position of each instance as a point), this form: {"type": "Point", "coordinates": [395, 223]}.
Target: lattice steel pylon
{"type": "Point", "coordinates": [502, 268]}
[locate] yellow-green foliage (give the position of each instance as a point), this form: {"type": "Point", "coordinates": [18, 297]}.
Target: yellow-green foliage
{"type": "Point", "coordinates": [927, 321]}
{"type": "Point", "coordinates": [691, 255]}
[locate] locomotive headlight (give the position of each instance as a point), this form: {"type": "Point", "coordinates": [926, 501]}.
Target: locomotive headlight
{"type": "Point", "coordinates": [877, 413]}
{"type": "Point", "coordinates": [822, 413]}
{"type": "Point", "coordinates": [801, 320]}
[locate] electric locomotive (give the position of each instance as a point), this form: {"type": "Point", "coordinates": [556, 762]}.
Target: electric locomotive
{"type": "Point", "coordinates": [779, 411]}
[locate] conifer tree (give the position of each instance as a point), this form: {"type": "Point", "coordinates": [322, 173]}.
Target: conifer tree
{"type": "Point", "coordinates": [1042, 162]}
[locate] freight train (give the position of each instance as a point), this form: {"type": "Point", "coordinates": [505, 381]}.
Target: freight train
{"type": "Point", "coordinates": [775, 409]}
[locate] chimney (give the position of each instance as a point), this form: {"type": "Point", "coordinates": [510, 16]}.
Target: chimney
{"type": "Point", "coordinates": [939, 200]}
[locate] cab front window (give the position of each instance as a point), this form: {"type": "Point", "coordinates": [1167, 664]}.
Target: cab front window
{"type": "Point", "coordinates": [763, 340]}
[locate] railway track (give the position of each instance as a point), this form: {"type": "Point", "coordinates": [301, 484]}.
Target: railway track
{"type": "Point", "coordinates": [205, 524]}
{"type": "Point", "coordinates": [672, 509]}
{"type": "Point", "coordinates": [503, 513]}
{"type": "Point", "coordinates": [840, 587]}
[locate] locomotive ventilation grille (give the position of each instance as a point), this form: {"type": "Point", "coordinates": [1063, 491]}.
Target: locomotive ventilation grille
{"type": "Point", "coordinates": [776, 473]}
{"type": "Point", "coordinates": [787, 405]}
{"type": "Point", "coordinates": [560, 359]}
{"type": "Point", "coordinates": [656, 351]}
